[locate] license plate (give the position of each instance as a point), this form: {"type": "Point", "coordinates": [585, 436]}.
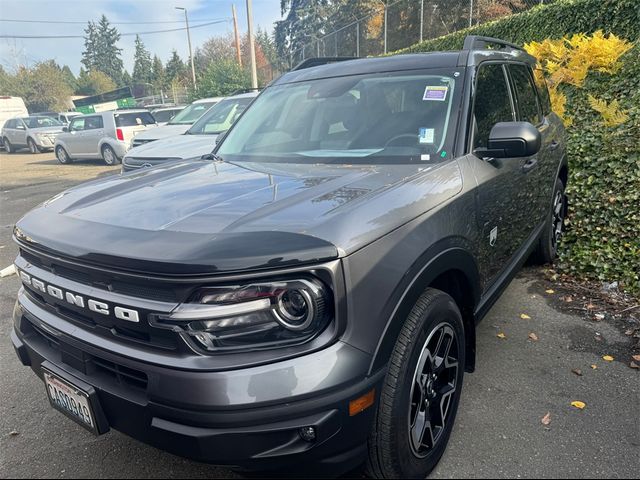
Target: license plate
{"type": "Point", "coordinates": [70, 400]}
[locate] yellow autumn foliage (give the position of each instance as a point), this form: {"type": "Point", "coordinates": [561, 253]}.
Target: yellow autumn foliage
{"type": "Point", "coordinates": [611, 113]}
{"type": "Point", "coordinates": [568, 61]}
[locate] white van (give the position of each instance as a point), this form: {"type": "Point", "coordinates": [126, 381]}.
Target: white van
{"type": "Point", "coordinates": [11, 107]}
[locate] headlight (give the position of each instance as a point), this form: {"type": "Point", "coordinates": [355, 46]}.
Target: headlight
{"type": "Point", "coordinates": [252, 316]}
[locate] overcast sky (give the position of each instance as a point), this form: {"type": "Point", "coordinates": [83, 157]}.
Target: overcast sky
{"type": "Point", "coordinates": [15, 52]}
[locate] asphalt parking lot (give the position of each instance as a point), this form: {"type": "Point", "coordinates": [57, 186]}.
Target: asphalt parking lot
{"type": "Point", "coordinates": [499, 433]}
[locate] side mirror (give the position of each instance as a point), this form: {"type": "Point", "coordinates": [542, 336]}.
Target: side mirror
{"type": "Point", "coordinates": [221, 136]}
{"type": "Point", "coordinates": [65, 129]}
{"type": "Point", "coordinates": [512, 139]}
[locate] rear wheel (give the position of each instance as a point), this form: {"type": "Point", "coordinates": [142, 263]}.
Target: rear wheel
{"type": "Point", "coordinates": [33, 148]}
{"type": "Point", "coordinates": [109, 156]}
{"type": "Point", "coordinates": [421, 391]}
{"type": "Point", "coordinates": [7, 145]}
{"type": "Point", "coordinates": [547, 249]}
{"type": "Point", "coordinates": [62, 155]}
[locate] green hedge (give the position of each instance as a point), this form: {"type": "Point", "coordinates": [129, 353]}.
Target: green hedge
{"type": "Point", "coordinates": [603, 231]}
{"type": "Point", "coordinates": [621, 17]}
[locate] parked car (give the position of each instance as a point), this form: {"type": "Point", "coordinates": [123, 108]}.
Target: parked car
{"type": "Point", "coordinates": [36, 133]}
{"type": "Point", "coordinates": [164, 115]}
{"type": "Point", "coordinates": [178, 124]}
{"type": "Point", "coordinates": [307, 298]}
{"type": "Point", "coordinates": [65, 117]}
{"type": "Point", "coordinates": [11, 107]}
{"type": "Point", "coordinates": [105, 135]}
{"type": "Point", "coordinates": [199, 140]}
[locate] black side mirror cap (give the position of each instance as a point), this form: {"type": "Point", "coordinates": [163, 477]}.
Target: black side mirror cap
{"type": "Point", "coordinates": [511, 140]}
{"type": "Point", "coordinates": [65, 129]}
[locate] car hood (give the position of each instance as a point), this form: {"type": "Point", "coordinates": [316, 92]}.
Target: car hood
{"type": "Point", "coordinates": [47, 129]}
{"type": "Point", "coordinates": [177, 147]}
{"type": "Point", "coordinates": [162, 131]}
{"type": "Point", "coordinates": [206, 217]}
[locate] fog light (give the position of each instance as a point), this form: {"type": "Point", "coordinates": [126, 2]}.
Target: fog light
{"type": "Point", "coordinates": [308, 434]}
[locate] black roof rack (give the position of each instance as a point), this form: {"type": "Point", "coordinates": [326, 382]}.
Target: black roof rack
{"type": "Point", "coordinates": [476, 42]}
{"type": "Point", "coordinates": [317, 61]}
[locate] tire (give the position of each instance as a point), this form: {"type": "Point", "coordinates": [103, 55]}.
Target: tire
{"type": "Point", "coordinates": [397, 446]}
{"type": "Point", "coordinates": [7, 145]}
{"type": "Point", "coordinates": [62, 156]}
{"type": "Point", "coordinates": [547, 249]}
{"type": "Point", "coordinates": [109, 155]}
{"type": "Point", "coordinates": [33, 148]}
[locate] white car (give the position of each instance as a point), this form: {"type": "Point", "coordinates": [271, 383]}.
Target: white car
{"type": "Point", "coordinates": [178, 124]}
{"type": "Point", "coordinates": [35, 132]}
{"type": "Point", "coordinates": [197, 141]}
{"type": "Point", "coordinates": [164, 115]}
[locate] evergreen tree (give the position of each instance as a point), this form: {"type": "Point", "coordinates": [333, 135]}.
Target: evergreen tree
{"type": "Point", "coordinates": [142, 65]}
{"type": "Point", "coordinates": [127, 80]}
{"type": "Point", "coordinates": [69, 78]}
{"type": "Point", "coordinates": [157, 74]}
{"type": "Point", "coordinates": [100, 50]}
{"type": "Point", "coordinates": [175, 69]}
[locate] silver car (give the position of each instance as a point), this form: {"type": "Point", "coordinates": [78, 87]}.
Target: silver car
{"type": "Point", "coordinates": [164, 115]}
{"type": "Point", "coordinates": [105, 135]}
{"type": "Point", "coordinates": [38, 133]}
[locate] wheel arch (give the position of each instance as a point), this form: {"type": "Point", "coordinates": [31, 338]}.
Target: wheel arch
{"type": "Point", "coordinates": [451, 269]}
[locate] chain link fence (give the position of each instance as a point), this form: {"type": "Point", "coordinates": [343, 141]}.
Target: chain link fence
{"type": "Point", "coordinates": [401, 23]}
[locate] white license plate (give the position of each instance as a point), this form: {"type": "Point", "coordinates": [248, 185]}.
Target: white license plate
{"type": "Point", "coordinates": [70, 400]}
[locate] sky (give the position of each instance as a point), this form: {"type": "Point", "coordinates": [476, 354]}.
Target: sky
{"type": "Point", "coordinates": [14, 52]}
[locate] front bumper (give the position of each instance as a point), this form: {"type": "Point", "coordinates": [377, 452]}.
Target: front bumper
{"type": "Point", "coordinates": [248, 418]}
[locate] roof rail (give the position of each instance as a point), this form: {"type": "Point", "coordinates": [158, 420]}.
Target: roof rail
{"type": "Point", "coordinates": [476, 42]}
{"type": "Point", "coordinates": [244, 90]}
{"type": "Point", "coordinates": [317, 61]}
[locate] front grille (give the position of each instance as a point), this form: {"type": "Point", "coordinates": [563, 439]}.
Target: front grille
{"type": "Point", "coordinates": [88, 364]}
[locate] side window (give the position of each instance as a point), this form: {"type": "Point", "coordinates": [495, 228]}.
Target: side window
{"type": "Point", "coordinates": [543, 91]}
{"type": "Point", "coordinates": [10, 124]}
{"type": "Point", "coordinates": [492, 102]}
{"type": "Point", "coordinates": [77, 124]}
{"type": "Point", "coordinates": [526, 95]}
{"type": "Point", "coordinates": [93, 123]}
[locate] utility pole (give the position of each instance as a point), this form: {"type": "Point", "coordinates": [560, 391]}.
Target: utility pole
{"type": "Point", "coordinates": [237, 34]}
{"type": "Point", "coordinates": [252, 47]}
{"type": "Point", "coordinates": [471, 13]}
{"type": "Point", "coordinates": [421, 20]}
{"type": "Point", "coordinates": [193, 68]}
{"type": "Point", "coordinates": [386, 17]}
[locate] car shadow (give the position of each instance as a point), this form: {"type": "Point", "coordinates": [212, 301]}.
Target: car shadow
{"type": "Point", "coordinates": [79, 163]}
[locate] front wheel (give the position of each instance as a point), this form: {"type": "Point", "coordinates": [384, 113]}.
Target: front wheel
{"type": "Point", "coordinates": [33, 148]}
{"type": "Point", "coordinates": [109, 156]}
{"type": "Point", "coordinates": [62, 155]}
{"type": "Point", "coordinates": [7, 145]}
{"type": "Point", "coordinates": [421, 391]}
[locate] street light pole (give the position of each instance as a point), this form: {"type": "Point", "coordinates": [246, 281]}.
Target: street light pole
{"type": "Point", "coordinates": [421, 20]}
{"type": "Point", "coordinates": [193, 68]}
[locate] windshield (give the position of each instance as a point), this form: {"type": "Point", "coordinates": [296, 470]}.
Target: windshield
{"type": "Point", "coordinates": [191, 113]}
{"type": "Point", "coordinates": [403, 117]}
{"type": "Point", "coordinates": [220, 117]}
{"type": "Point", "coordinates": [41, 122]}
{"type": "Point", "coordinates": [164, 115]}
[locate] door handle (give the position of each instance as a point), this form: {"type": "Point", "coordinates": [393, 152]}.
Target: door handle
{"type": "Point", "coordinates": [554, 145]}
{"type": "Point", "coordinates": [529, 165]}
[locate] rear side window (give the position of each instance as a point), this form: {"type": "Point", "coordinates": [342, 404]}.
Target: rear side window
{"type": "Point", "coordinates": [164, 115]}
{"type": "Point", "coordinates": [543, 91]}
{"type": "Point", "coordinates": [10, 124]}
{"type": "Point", "coordinates": [134, 119]}
{"type": "Point", "coordinates": [526, 95]}
{"type": "Point", "coordinates": [492, 103]}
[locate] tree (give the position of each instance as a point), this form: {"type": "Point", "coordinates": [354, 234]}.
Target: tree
{"type": "Point", "coordinates": [223, 78]}
{"type": "Point", "coordinates": [215, 49]}
{"type": "Point", "coordinates": [69, 78]}
{"type": "Point", "coordinates": [175, 69]}
{"type": "Point", "coordinates": [157, 74]}
{"type": "Point", "coordinates": [142, 65]}
{"type": "Point", "coordinates": [100, 50]}
{"type": "Point", "coordinates": [127, 80]}
{"type": "Point", "coordinates": [42, 86]}
{"type": "Point", "coordinates": [94, 82]}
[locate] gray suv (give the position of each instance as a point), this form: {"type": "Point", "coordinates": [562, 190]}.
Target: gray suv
{"type": "Point", "coordinates": [37, 133]}
{"type": "Point", "coordinates": [306, 299]}
{"type": "Point", "coordinates": [106, 135]}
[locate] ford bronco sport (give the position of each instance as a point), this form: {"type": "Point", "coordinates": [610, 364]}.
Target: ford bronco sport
{"type": "Point", "coordinates": [305, 297]}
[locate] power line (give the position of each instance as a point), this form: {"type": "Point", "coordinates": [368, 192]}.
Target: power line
{"type": "Point", "coordinates": [62, 22]}
{"type": "Point", "coordinates": [127, 34]}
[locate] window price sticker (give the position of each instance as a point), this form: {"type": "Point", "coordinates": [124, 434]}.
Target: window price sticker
{"type": "Point", "coordinates": [435, 93]}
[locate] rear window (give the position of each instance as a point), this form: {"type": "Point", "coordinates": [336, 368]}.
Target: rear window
{"type": "Point", "coordinates": [164, 115]}
{"type": "Point", "coordinates": [134, 119]}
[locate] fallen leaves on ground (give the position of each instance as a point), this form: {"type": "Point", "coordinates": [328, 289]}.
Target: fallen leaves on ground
{"type": "Point", "coordinates": [578, 404]}
{"type": "Point", "coordinates": [634, 365]}
{"type": "Point", "coordinates": [524, 316]}
{"type": "Point", "coordinates": [594, 367]}
{"type": "Point", "coordinates": [501, 336]}
{"type": "Point", "coordinates": [546, 420]}
{"type": "Point", "coordinates": [636, 358]}
{"type": "Point", "coordinates": [577, 371]}
{"type": "Point", "coordinates": [13, 433]}
{"type": "Point", "coordinates": [550, 291]}
{"type": "Point", "coordinates": [533, 337]}
{"type": "Point", "coordinates": [608, 358]}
